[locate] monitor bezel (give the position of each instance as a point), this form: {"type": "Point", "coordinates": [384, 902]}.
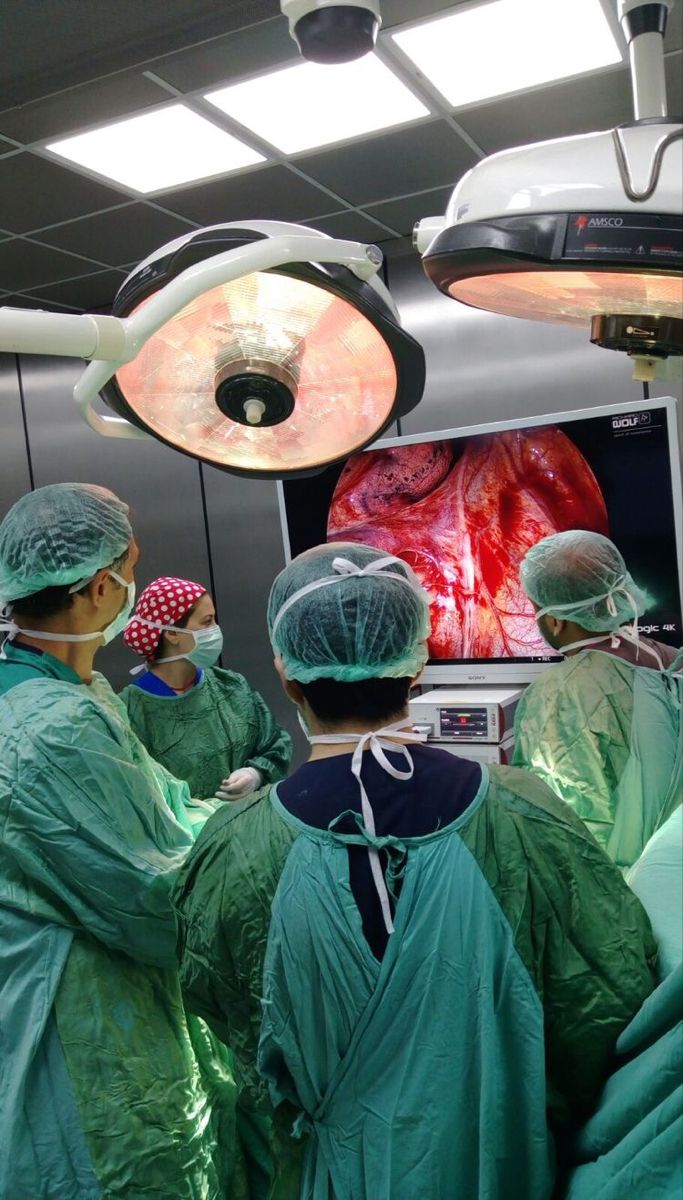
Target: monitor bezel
{"type": "Point", "coordinates": [496, 672]}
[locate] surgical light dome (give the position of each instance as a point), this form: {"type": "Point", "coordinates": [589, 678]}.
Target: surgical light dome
{"type": "Point", "coordinates": [268, 350]}
{"type": "Point", "coordinates": [584, 230]}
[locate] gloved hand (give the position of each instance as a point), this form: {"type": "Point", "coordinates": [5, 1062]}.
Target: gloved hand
{"type": "Point", "coordinates": [242, 782]}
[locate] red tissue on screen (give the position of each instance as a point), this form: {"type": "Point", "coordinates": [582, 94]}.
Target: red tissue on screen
{"type": "Point", "coordinates": [463, 515]}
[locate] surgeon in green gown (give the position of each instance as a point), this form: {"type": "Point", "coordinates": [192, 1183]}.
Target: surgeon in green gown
{"type": "Point", "coordinates": [422, 962]}
{"type": "Point", "coordinates": [205, 724]}
{"type": "Point", "coordinates": [105, 1091]}
{"type": "Point", "coordinates": [604, 728]}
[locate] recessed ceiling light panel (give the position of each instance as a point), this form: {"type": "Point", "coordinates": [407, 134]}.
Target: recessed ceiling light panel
{"type": "Point", "coordinates": [309, 105]}
{"type": "Point", "coordinates": [492, 49]}
{"type": "Point", "coordinates": [157, 150]}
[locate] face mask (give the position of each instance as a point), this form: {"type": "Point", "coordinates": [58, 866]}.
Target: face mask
{"type": "Point", "coordinates": [208, 644]}
{"type": "Point", "coordinates": [302, 722]}
{"type": "Point", "coordinates": [117, 626]}
{"type": "Point", "coordinates": [107, 634]}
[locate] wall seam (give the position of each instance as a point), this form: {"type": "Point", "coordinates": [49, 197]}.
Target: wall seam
{"type": "Point", "coordinates": [22, 402]}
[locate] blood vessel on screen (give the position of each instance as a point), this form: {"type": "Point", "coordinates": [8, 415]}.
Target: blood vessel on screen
{"type": "Point", "coordinates": [463, 514]}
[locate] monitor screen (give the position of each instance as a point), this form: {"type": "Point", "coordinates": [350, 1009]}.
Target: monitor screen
{"type": "Point", "coordinates": [462, 507]}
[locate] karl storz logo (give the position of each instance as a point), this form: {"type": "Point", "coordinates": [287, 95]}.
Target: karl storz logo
{"type": "Point", "coordinates": [583, 222]}
{"type": "Point", "coordinates": [632, 420]}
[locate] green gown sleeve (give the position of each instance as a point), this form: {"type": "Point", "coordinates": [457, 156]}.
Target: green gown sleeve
{"type": "Point", "coordinates": [272, 752]}
{"type": "Point", "coordinates": [88, 840]}
{"type": "Point", "coordinates": [584, 936]}
{"type": "Point", "coordinates": [223, 896]}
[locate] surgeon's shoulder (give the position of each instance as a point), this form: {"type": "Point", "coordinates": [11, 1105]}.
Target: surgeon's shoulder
{"type": "Point", "coordinates": [227, 681]}
{"type": "Point", "coordinates": [250, 829]}
{"type": "Point", "coordinates": [513, 790]}
{"type": "Point", "coordinates": [52, 709]}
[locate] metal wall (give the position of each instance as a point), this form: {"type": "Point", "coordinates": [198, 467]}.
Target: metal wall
{"type": "Point", "coordinates": [205, 525]}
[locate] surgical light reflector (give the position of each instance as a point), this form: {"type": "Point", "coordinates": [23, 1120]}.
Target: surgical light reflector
{"type": "Point", "coordinates": [573, 297]}
{"type": "Point", "coordinates": [264, 371]}
{"type": "Point", "coordinates": [333, 364]}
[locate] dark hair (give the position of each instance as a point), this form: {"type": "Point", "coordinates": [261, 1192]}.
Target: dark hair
{"type": "Point", "coordinates": [366, 700]}
{"type": "Point", "coordinates": [52, 601]}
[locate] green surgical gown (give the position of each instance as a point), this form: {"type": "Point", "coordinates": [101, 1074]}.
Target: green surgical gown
{"type": "Point", "coordinates": [210, 731]}
{"type": "Point", "coordinates": [606, 736]}
{"type": "Point", "coordinates": [103, 1094]}
{"type": "Point", "coordinates": [519, 956]}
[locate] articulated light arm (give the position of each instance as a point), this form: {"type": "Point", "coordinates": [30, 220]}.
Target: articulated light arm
{"type": "Point", "coordinates": [112, 341]}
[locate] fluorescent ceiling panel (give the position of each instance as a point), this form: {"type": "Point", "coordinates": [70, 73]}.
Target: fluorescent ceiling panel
{"type": "Point", "coordinates": [157, 150]}
{"type": "Point", "coordinates": [310, 105]}
{"type": "Point", "coordinates": [505, 46]}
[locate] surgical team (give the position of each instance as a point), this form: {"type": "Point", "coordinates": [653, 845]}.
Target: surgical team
{"type": "Point", "coordinates": [389, 974]}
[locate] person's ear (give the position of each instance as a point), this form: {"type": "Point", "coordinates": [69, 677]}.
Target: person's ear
{"type": "Point", "coordinates": [291, 688]}
{"type": "Point", "coordinates": [557, 626]}
{"type": "Point", "coordinates": [98, 589]}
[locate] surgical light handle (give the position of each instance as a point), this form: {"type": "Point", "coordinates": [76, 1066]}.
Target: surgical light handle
{"type": "Point", "coordinates": [112, 341]}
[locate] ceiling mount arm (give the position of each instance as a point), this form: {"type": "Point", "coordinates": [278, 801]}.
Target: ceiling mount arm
{"type": "Point", "coordinates": [644, 26]}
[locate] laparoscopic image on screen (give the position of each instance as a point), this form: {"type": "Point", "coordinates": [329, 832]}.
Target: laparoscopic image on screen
{"type": "Point", "coordinates": [463, 511]}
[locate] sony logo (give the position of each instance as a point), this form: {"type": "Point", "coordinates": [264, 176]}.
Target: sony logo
{"type": "Point", "coordinates": [605, 222]}
{"type": "Point", "coordinates": [476, 677]}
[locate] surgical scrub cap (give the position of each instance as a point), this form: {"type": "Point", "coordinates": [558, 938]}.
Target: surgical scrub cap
{"type": "Point", "coordinates": [58, 535]}
{"type": "Point", "coordinates": [581, 576]}
{"type": "Point", "coordinates": [164, 602]}
{"type": "Point", "coordinates": [347, 612]}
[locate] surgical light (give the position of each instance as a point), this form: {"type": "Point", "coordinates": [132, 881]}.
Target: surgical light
{"type": "Point", "coordinates": [268, 350]}
{"type": "Point", "coordinates": [584, 230]}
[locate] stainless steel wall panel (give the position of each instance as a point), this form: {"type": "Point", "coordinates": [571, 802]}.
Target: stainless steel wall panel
{"type": "Point", "coordinates": [247, 553]}
{"type": "Point", "coordinates": [15, 478]}
{"type": "Point", "coordinates": [161, 486]}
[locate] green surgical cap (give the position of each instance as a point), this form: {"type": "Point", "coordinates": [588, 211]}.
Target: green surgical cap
{"type": "Point", "coordinates": [581, 576]}
{"type": "Point", "coordinates": [58, 535]}
{"type": "Point", "coordinates": [357, 621]}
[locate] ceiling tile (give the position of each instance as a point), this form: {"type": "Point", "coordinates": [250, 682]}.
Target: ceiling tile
{"type": "Point", "coordinates": [95, 103]}
{"type": "Point", "coordinates": [250, 51]}
{"type": "Point", "coordinates": [351, 225]}
{"type": "Point", "coordinates": [578, 106]}
{"type": "Point", "coordinates": [25, 264]}
{"type": "Point", "coordinates": [16, 300]}
{"type": "Point", "coordinates": [51, 45]}
{"type": "Point", "coordinates": [89, 292]}
{"type": "Point", "coordinates": [398, 12]}
{"type": "Point", "coordinates": [378, 168]}
{"type": "Point", "coordinates": [402, 214]}
{"type": "Point", "coordinates": [269, 193]}
{"type": "Point", "coordinates": [35, 192]}
{"type": "Point", "coordinates": [117, 237]}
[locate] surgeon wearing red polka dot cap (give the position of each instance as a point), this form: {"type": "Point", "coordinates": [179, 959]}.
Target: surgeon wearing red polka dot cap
{"type": "Point", "coordinates": [205, 724]}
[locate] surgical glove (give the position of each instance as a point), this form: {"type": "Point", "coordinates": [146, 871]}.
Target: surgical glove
{"type": "Point", "coordinates": [241, 783]}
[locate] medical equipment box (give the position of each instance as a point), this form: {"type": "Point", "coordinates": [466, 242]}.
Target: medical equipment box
{"type": "Point", "coordinates": [481, 752]}
{"type": "Point", "coordinates": [465, 714]}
